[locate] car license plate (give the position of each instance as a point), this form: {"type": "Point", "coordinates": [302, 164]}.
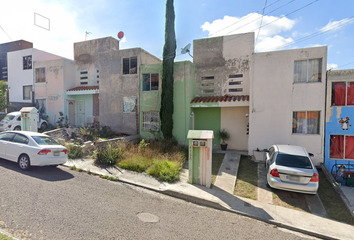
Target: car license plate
{"type": "Point", "coordinates": [56, 153]}
{"type": "Point", "coordinates": [294, 178]}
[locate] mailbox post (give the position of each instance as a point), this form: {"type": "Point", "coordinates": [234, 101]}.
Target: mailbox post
{"type": "Point", "coordinates": [29, 119]}
{"type": "Point", "coordinates": [200, 156]}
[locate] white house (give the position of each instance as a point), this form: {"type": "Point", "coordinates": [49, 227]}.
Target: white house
{"type": "Point", "coordinates": [287, 99]}
{"type": "Point", "coordinates": [21, 76]}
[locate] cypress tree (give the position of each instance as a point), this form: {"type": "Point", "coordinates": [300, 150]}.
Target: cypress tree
{"type": "Point", "coordinates": [169, 54]}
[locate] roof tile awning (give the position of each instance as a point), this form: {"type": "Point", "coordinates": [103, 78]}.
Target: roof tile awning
{"type": "Point", "coordinates": [83, 90]}
{"type": "Point", "coordinates": [225, 98]}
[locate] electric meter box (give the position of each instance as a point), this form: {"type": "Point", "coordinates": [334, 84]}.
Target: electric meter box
{"type": "Point", "coordinates": [200, 156]}
{"type": "Point", "coordinates": [29, 119]}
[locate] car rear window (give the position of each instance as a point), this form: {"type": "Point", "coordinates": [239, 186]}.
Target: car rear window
{"type": "Point", "coordinates": [288, 160]}
{"type": "Point", "coordinates": [45, 140]}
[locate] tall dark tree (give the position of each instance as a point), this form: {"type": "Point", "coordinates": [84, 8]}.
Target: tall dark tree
{"type": "Point", "coordinates": [169, 54]}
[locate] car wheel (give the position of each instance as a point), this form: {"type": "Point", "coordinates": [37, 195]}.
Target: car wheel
{"type": "Point", "coordinates": [17, 128]}
{"type": "Point", "coordinates": [24, 162]}
{"type": "Point", "coordinates": [44, 126]}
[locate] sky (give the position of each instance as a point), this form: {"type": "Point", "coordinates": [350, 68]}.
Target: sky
{"type": "Point", "coordinates": [54, 26]}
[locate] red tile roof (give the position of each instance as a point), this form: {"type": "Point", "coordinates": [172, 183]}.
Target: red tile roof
{"type": "Point", "coordinates": [225, 98]}
{"type": "Point", "coordinates": [84, 88]}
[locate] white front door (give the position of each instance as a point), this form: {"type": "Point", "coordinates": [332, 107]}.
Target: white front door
{"type": "Point", "coordinates": [71, 104]}
{"type": "Point", "coordinates": [80, 110]}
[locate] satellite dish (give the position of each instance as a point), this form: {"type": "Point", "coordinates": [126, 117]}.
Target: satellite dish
{"type": "Point", "coordinates": [120, 35]}
{"type": "Point", "coordinates": [186, 49]}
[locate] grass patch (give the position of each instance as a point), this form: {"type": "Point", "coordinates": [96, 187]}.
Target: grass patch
{"type": "Point", "coordinates": [216, 164]}
{"type": "Point", "coordinates": [74, 151]}
{"type": "Point", "coordinates": [110, 178]}
{"type": "Point", "coordinates": [4, 237]}
{"type": "Point", "coordinates": [332, 202]}
{"type": "Point", "coordinates": [110, 155]}
{"type": "Point", "coordinates": [165, 170]}
{"type": "Point", "coordinates": [247, 178]}
{"type": "Point", "coordinates": [137, 163]}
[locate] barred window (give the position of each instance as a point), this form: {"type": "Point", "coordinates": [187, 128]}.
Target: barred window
{"type": "Point", "coordinates": [151, 121]}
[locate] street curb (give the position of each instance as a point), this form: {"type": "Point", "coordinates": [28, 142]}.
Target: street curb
{"type": "Point", "coordinates": [215, 205]}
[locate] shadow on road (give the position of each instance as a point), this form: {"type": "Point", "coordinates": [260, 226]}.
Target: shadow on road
{"type": "Point", "coordinates": [46, 173]}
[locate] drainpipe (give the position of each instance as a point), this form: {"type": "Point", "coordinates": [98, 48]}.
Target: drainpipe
{"type": "Point", "coordinates": [325, 115]}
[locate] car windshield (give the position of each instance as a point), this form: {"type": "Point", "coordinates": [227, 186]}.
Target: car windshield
{"type": "Point", "coordinates": [41, 140]}
{"type": "Point", "coordinates": [288, 160]}
{"type": "Point", "coordinates": [9, 117]}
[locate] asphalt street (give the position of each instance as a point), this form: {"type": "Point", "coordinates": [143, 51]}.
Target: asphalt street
{"type": "Point", "coordinates": [58, 203]}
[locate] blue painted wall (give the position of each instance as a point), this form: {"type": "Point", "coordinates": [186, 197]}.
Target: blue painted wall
{"type": "Point", "coordinates": [334, 128]}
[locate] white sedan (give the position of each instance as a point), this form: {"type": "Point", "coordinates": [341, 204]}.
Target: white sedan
{"type": "Point", "coordinates": [31, 149]}
{"type": "Point", "coordinates": [290, 168]}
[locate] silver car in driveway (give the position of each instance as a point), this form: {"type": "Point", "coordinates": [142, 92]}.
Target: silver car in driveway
{"type": "Point", "coordinates": [290, 168]}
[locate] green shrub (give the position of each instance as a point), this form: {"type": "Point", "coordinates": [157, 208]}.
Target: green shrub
{"type": "Point", "coordinates": [87, 133]}
{"type": "Point", "coordinates": [136, 163]}
{"type": "Point", "coordinates": [109, 156]}
{"type": "Point", "coordinates": [106, 132]}
{"type": "Point", "coordinates": [165, 170]}
{"type": "Point", "coordinates": [74, 151]}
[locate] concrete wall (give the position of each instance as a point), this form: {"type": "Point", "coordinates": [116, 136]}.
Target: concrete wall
{"type": "Point", "coordinates": [274, 97]}
{"type": "Point", "coordinates": [104, 55]}
{"type": "Point", "coordinates": [183, 90]}
{"type": "Point", "coordinates": [221, 57]}
{"type": "Point", "coordinates": [18, 77]}
{"type": "Point", "coordinates": [60, 75]}
{"type": "Point", "coordinates": [335, 113]}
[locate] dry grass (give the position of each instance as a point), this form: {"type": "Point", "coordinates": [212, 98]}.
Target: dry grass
{"type": "Point", "coordinates": [290, 200]}
{"type": "Point", "coordinates": [247, 179]}
{"type": "Point", "coordinates": [332, 202]}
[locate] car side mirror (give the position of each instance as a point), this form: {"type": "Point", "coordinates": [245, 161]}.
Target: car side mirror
{"type": "Point", "coordinates": [311, 154]}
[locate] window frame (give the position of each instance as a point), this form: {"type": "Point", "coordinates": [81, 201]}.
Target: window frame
{"type": "Point", "coordinates": [306, 122]}
{"type": "Point", "coordinates": [344, 147]}
{"type": "Point", "coordinates": [23, 92]}
{"type": "Point", "coordinates": [151, 123]}
{"type": "Point", "coordinates": [320, 70]}
{"type": "Point", "coordinates": [347, 84]}
{"type": "Point", "coordinates": [27, 62]}
{"type": "Point", "coordinates": [130, 67]}
{"type": "Point", "coordinates": [36, 74]}
{"type": "Point", "coordinates": [150, 77]}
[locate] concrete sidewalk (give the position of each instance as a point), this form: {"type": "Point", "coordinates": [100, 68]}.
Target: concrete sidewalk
{"type": "Point", "coordinates": [221, 196]}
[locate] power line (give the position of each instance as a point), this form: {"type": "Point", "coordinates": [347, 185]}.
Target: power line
{"type": "Point", "coordinates": [261, 22]}
{"type": "Point", "coordinates": [5, 33]}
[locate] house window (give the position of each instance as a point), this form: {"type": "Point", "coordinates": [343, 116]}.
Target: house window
{"type": "Point", "coordinates": [151, 82]}
{"type": "Point", "coordinates": [151, 121]}
{"type": "Point", "coordinates": [40, 75]}
{"type": "Point", "coordinates": [341, 147]}
{"type": "Point", "coordinates": [130, 65]}
{"type": "Point", "coordinates": [235, 83]}
{"type": "Point", "coordinates": [309, 70]}
{"type": "Point", "coordinates": [235, 90]}
{"type": "Point", "coordinates": [306, 122]}
{"type": "Point", "coordinates": [27, 62]}
{"type": "Point", "coordinates": [342, 93]}
{"type": "Point", "coordinates": [27, 92]}
{"type": "Point", "coordinates": [236, 76]}
{"type": "Point", "coordinates": [207, 78]}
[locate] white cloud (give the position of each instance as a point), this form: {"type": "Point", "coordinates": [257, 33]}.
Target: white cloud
{"type": "Point", "coordinates": [335, 25]}
{"type": "Point", "coordinates": [332, 66]}
{"type": "Point", "coordinates": [268, 36]}
{"type": "Point", "coordinates": [64, 29]}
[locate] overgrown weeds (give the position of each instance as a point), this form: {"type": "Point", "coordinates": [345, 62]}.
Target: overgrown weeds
{"type": "Point", "coordinates": [74, 151]}
{"type": "Point", "coordinates": [165, 170]}
{"type": "Point", "coordinates": [110, 155]}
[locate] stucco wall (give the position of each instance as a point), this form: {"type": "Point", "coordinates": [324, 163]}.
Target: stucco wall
{"type": "Point", "coordinates": [184, 85]}
{"type": "Point", "coordinates": [18, 77]}
{"type": "Point", "coordinates": [221, 57]}
{"type": "Point", "coordinates": [104, 55]}
{"type": "Point", "coordinates": [60, 76]}
{"type": "Point", "coordinates": [335, 113]}
{"type": "Point", "coordinates": [274, 97]}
